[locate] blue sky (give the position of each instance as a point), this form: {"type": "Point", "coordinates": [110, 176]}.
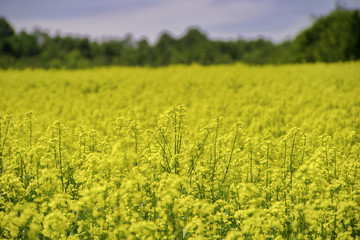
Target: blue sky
{"type": "Point", "coordinates": [220, 19]}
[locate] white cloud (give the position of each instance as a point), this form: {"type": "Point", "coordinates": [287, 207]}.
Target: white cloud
{"type": "Point", "coordinates": [225, 19]}
{"type": "Point", "coordinates": [149, 20]}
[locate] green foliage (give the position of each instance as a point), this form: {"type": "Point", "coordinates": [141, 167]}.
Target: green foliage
{"type": "Point", "coordinates": [335, 37]}
{"type": "Point", "coordinates": [6, 34]}
{"type": "Point", "coordinates": [331, 38]}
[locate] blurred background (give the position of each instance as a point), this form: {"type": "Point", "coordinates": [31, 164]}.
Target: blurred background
{"type": "Point", "coordinates": [89, 33]}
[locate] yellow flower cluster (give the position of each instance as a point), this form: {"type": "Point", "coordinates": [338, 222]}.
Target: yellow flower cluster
{"type": "Point", "coordinates": [181, 152]}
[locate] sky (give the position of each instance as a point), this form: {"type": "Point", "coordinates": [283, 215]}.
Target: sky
{"type": "Point", "coordinates": [276, 20]}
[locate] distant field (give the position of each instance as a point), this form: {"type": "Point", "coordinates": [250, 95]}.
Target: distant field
{"type": "Point", "coordinates": [184, 152]}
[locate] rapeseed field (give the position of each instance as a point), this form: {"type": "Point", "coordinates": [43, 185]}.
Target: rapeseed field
{"type": "Point", "coordinates": [181, 152]}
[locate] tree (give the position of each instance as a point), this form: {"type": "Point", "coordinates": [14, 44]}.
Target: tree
{"type": "Point", "coordinates": [6, 31]}
{"type": "Point", "coordinates": [335, 37]}
{"type": "Point", "coordinates": [164, 49]}
{"type": "Point", "coordinates": [6, 34]}
{"type": "Point", "coordinates": [29, 45]}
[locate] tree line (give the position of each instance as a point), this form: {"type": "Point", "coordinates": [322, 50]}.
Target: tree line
{"type": "Point", "coordinates": [333, 37]}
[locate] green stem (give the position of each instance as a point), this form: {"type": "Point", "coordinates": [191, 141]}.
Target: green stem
{"type": "Point", "coordinates": [284, 160]}
{"type": "Point", "coordinates": [251, 163]}
{"type": "Point", "coordinates": [267, 165]}
{"type": "Point", "coordinates": [291, 159]}
{"type": "Point", "coordinates": [229, 162]}
{"type": "Point", "coordinates": [335, 165]}
{"type": "Point", "coordinates": [3, 144]}
{"type": "Point", "coordinates": [60, 158]}
{"type": "Point", "coordinates": [168, 169]}
{"type": "Point", "coordinates": [215, 141]}
{"type": "Point", "coordinates": [303, 153]}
